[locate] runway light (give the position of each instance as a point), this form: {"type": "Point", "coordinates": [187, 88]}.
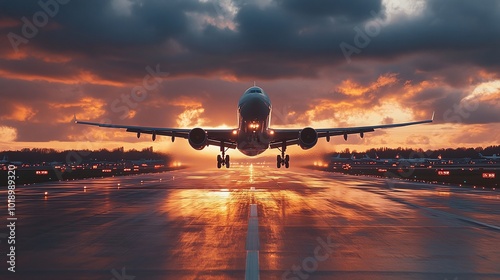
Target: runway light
{"type": "Point", "coordinates": [489, 175]}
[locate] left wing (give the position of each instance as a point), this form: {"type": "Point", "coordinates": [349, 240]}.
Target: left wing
{"type": "Point", "coordinates": [215, 137]}
{"type": "Point", "coordinates": [287, 137]}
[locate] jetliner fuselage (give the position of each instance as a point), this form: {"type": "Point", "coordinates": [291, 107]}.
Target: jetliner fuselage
{"type": "Point", "coordinates": [254, 117]}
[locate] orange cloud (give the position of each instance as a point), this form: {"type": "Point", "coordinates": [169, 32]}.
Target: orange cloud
{"type": "Point", "coordinates": [87, 108]}
{"type": "Point", "coordinates": [39, 55]}
{"type": "Point", "coordinates": [352, 88]}
{"type": "Point", "coordinates": [82, 77]}
{"type": "Point", "coordinates": [184, 101]}
{"type": "Point", "coordinates": [475, 135]}
{"type": "Point", "coordinates": [193, 109]}
{"type": "Point", "coordinates": [8, 134]}
{"type": "Point", "coordinates": [412, 90]}
{"type": "Point", "coordinates": [20, 113]}
{"type": "Point", "coordinates": [191, 117]}
{"type": "Point", "coordinates": [486, 92]}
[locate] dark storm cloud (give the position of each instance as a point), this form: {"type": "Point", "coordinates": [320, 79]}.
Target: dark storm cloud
{"type": "Point", "coordinates": [350, 9]}
{"type": "Point", "coordinates": [94, 25]}
{"type": "Point", "coordinates": [297, 37]}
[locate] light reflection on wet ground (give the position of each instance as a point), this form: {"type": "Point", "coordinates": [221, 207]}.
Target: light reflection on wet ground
{"type": "Point", "coordinates": [192, 224]}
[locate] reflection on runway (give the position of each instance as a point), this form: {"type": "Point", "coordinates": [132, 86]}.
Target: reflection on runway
{"type": "Point", "coordinates": [282, 224]}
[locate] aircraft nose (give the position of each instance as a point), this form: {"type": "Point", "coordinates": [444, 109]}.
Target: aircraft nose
{"type": "Point", "coordinates": [254, 109]}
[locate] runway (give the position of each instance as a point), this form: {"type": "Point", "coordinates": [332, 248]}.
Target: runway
{"type": "Point", "coordinates": [254, 221]}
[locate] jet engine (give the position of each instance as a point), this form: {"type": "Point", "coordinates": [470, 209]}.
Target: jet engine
{"type": "Point", "coordinates": [308, 137]}
{"type": "Point", "coordinates": [198, 138]}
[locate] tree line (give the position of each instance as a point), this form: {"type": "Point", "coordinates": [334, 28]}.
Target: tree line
{"type": "Point", "coordinates": [451, 153]}
{"type": "Point", "coordinates": [38, 155]}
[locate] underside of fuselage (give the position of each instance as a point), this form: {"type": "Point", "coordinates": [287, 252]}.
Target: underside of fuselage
{"type": "Point", "coordinates": [252, 144]}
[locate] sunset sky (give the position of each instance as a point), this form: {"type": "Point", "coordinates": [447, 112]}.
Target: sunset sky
{"type": "Point", "coordinates": [323, 64]}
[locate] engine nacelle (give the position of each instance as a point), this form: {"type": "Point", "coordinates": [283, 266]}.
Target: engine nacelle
{"type": "Point", "coordinates": [308, 137]}
{"type": "Point", "coordinates": [198, 138]}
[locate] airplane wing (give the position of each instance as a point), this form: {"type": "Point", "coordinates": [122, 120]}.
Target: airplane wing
{"type": "Point", "coordinates": [216, 137]}
{"type": "Point", "coordinates": [287, 137]}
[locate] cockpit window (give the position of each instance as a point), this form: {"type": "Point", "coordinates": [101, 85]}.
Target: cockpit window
{"type": "Point", "coordinates": [255, 90]}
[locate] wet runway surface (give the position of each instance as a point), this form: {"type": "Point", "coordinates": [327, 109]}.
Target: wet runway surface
{"type": "Point", "coordinates": [254, 221]}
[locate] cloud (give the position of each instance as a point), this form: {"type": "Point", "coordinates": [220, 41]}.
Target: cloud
{"type": "Point", "coordinates": [8, 134]}
{"type": "Point", "coordinates": [18, 112]}
{"type": "Point", "coordinates": [440, 56]}
{"type": "Point", "coordinates": [349, 9]}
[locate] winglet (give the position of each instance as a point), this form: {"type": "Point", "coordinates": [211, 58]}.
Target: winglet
{"type": "Point", "coordinates": [432, 119]}
{"type": "Point", "coordinates": [74, 119]}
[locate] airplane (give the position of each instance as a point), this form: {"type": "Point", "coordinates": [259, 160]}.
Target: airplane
{"type": "Point", "coordinates": [340, 159]}
{"type": "Point", "coordinates": [6, 161]}
{"type": "Point", "coordinates": [413, 160]}
{"type": "Point", "coordinates": [493, 157]}
{"type": "Point", "coordinates": [254, 133]}
{"type": "Point", "coordinates": [365, 158]}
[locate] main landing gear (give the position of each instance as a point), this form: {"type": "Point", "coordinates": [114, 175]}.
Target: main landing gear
{"type": "Point", "coordinates": [223, 160]}
{"type": "Point", "coordinates": [283, 159]}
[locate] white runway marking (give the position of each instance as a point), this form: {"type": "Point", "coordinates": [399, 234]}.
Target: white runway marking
{"type": "Point", "coordinates": [252, 245]}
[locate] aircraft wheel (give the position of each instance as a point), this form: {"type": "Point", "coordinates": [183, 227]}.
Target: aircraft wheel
{"type": "Point", "coordinates": [219, 161]}
{"type": "Point", "coordinates": [287, 164]}
{"type": "Point", "coordinates": [227, 161]}
{"type": "Point", "coordinates": [278, 161]}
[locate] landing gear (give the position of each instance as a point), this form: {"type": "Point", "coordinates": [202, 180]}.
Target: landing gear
{"type": "Point", "coordinates": [223, 160]}
{"type": "Point", "coordinates": [219, 161]}
{"type": "Point", "coordinates": [283, 159]}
